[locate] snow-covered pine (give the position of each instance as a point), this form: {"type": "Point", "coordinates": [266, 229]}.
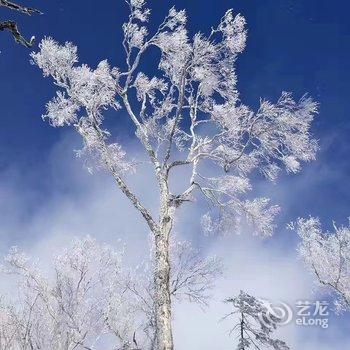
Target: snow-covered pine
{"type": "Point", "coordinates": [188, 114]}
{"type": "Point", "coordinates": [255, 324]}
{"type": "Point", "coordinates": [327, 255]}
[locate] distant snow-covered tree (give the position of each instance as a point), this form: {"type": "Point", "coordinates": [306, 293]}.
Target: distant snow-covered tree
{"type": "Point", "coordinates": [12, 26]}
{"type": "Point", "coordinates": [255, 324]}
{"type": "Point", "coordinates": [188, 115]}
{"type": "Point", "coordinates": [77, 302]}
{"type": "Point", "coordinates": [89, 299]}
{"type": "Point", "coordinates": [192, 276]}
{"type": "Point", "coordinates": [327, 255]}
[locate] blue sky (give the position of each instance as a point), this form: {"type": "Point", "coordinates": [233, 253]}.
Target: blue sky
{"type": "Point", "coordinates": [299, 46]}
{"type": "Point", "coordinates": [293, 45]}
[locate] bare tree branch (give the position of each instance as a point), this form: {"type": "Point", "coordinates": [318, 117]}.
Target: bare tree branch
{"type": "Point", "coordinates": [12, 26]}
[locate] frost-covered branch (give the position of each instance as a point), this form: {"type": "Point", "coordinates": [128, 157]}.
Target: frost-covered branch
{"type": "Point", "coordinates": [88, 91]}
{"type": "Point", "coordinates": [327, 255]}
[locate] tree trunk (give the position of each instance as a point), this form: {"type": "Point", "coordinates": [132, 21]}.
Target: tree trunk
{"type": "Point", "coordinates": [164, 336]}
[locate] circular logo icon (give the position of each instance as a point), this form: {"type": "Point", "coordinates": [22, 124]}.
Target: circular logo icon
{"type": "Point", "coordinates": [277, 314]}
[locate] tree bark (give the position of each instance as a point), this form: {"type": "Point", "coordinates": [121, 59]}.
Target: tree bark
{"type": "Point", "coordinates": [164, 336]}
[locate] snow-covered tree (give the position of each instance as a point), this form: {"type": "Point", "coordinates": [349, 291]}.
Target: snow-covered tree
{"type": "Point", "coordinates": [191, 280]}
{"type": "Point", "coordinates": [188, 115]}
{"type": "Point", "coordinates": [327, 255]}
{"type": "Point", "coordinates": [12, 25]}
{"type": "Point", "coordinates": [89, 299]}
{"type": "Point", "coordinates": [255, 323]}
{"type": "Point", "coordinates": [192, 277]}
{"type": "Point", "coordinates": [73, 306]}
